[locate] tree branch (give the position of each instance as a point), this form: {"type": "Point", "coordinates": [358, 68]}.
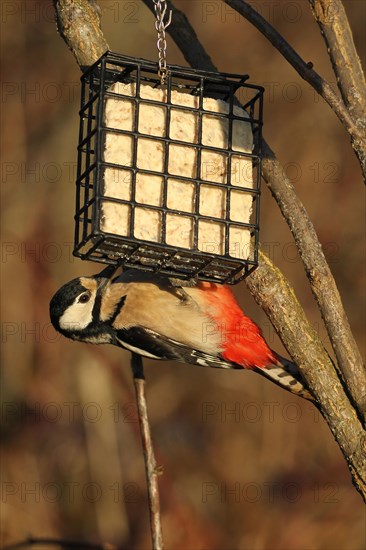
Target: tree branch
{"type": "Point", "coordinates": [78, 22]}
{"type": "Point", "coordinates": [274, 294]}
{"type": "Point", "coordinates": [152, 471]}
{"type": "Point", "coordinates": [306, 71]}
{"type": "Point", "coordinates": [329, 303]}
{"type": "Point", "coordinates": [321, 280]}
{"type": "Point", "coordinates": [334, 26]}
{"type": "Point", "coordinates": [320, 277]}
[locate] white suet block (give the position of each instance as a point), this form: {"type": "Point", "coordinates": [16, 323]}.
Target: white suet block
{"type": "Point", "coordinates": [183, 161]}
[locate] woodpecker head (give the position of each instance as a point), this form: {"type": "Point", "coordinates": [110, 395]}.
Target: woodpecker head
{"type": "Point", "coordinates": [74, 309]}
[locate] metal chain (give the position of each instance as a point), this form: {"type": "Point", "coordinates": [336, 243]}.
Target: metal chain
{"type": "Point", "coordinates": [160, 8]}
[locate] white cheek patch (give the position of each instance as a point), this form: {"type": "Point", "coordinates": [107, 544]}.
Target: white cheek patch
{"type": "Point", "coordinates": [78, 316]}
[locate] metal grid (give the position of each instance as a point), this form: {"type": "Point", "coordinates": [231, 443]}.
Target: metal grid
{"type": "Point", "coordinates": [94, 243]}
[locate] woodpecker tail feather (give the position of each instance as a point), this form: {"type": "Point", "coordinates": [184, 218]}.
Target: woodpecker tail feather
{"type": "Point", "coordinates": [284, 373]}
{"type": "Point", "coordinates": [157, 346]}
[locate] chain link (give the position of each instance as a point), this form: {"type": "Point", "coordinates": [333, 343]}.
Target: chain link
{"type": "Point", "coordinates": [160, 8]}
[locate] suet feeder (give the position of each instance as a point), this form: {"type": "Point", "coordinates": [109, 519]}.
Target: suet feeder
{"type": "Point", "coordinates": [168, 176]}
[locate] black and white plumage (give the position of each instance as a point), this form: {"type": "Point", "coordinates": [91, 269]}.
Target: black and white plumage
{"type": "Point", "coordinates": [148, 315]}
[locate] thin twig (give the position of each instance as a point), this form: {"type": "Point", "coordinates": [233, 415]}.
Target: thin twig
{"type": "Point", "coordinates": [334, 26]}
{"type": "Point", "coordinates": [150, 462]}
{"type": "Point", "coordinates": [320, 277]}
{"type": "Point", "coordinates": [306, 71]}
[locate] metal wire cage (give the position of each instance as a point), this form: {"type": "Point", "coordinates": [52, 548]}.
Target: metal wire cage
{"type": "Point", "coordinates": [168, 178]}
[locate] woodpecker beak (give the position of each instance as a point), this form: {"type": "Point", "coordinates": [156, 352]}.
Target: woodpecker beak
{"type": "Point", "coordinates": [108, 271]}
{"type": "Point", "coordinates": [106, 274]}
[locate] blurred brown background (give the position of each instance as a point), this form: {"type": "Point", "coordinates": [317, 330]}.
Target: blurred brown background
{"type": "Point", "coordinates": [246, 466]}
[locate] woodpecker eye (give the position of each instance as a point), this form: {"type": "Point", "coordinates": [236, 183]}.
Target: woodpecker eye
{"type": "Point", "coordinates": [84, 298]}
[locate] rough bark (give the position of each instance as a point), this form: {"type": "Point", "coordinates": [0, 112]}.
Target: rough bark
{"type": "Point", "coordinates": [78, 22]}
{"type": "Point", "coordinates": [320, 277]}
{"type": "Point", "coordinates": [274, 294]}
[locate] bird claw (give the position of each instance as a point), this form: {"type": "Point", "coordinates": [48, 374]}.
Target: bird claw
{"type": "Point", "coordinates": [182, 282]}
{"type": "Point", "coordinates": [177, 287]}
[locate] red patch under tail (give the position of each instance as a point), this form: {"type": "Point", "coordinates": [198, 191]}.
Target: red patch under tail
{"type": "Point", "coordinates": [242, 339]}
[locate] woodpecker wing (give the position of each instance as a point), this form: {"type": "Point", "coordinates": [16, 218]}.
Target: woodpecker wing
{"type": "Point", "coordinates": [145, 342]}
{"type": "Point", "coordinates": [151, 344]}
